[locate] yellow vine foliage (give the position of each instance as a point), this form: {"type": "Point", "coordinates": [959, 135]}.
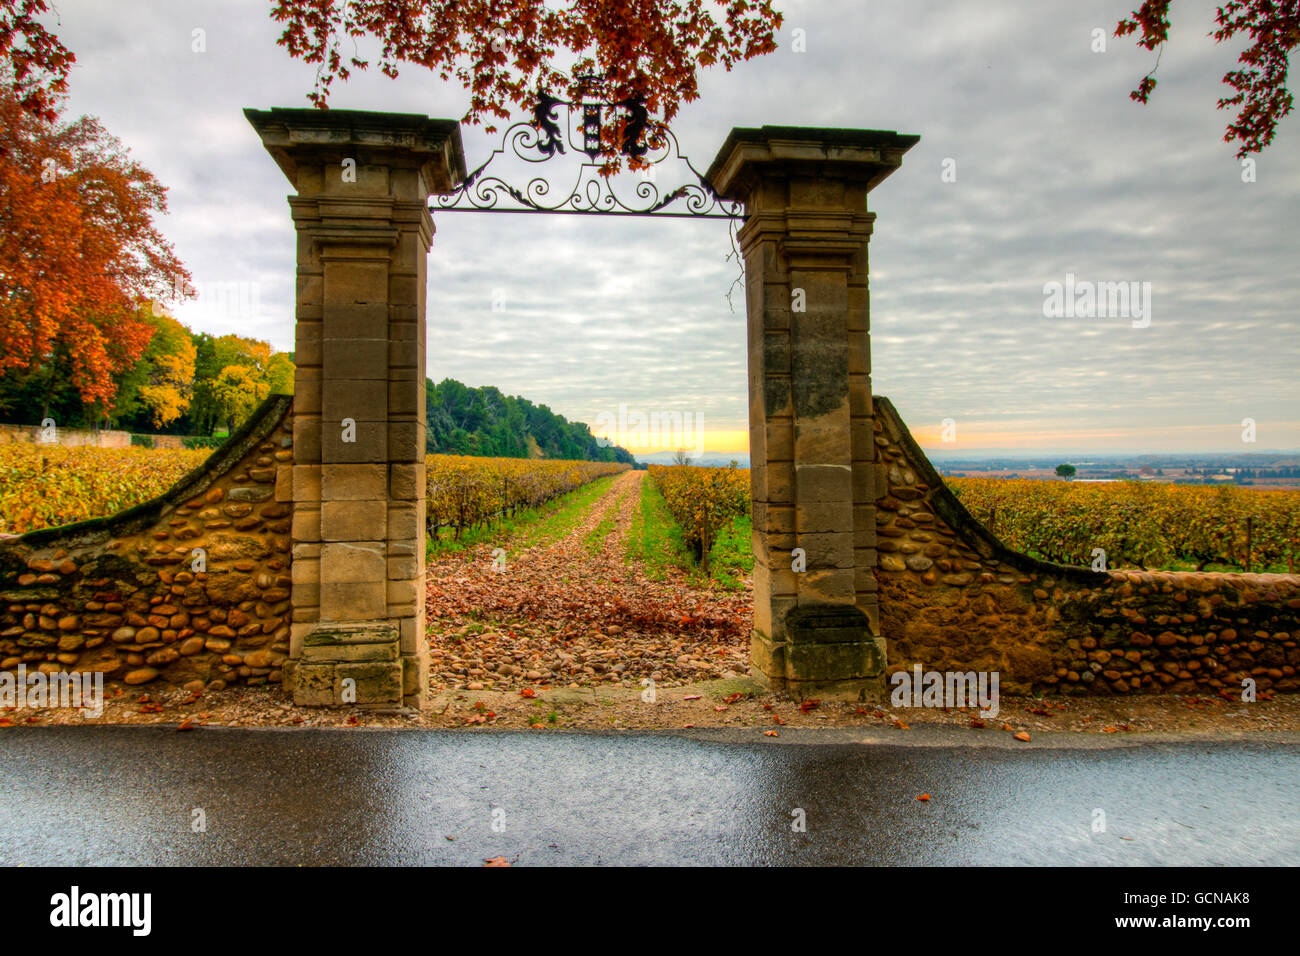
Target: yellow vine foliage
{"type": "Point", "coordinates": [45, 486]}
{"type": "Point", "coordinates": [42, 486]}
{"type": "Point", "coordinates": [703, 500]}
{"type": "Point", "coordinates": [465, 492]}
{"type": "Point", "coordinates": [1139, 524]}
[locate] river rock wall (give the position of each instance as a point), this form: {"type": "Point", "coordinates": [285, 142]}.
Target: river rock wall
{"type": "Point", "coordinates": [953, 597]}
{"type": "Point", "coordinates": [131, 597]}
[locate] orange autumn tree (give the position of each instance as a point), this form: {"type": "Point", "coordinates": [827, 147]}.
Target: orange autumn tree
{"type": "Point", "coordinates": [503, 51]}
{"type": "Point", "coordinates": [78, 250]}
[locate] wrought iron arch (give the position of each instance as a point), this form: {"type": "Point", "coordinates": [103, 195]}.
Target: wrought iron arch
{"type": "Point", "coordinates": [548, 135]}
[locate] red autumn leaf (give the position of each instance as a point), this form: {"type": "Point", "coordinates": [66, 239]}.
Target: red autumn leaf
{"type": "Point", "coordinates": [186, 724]}
{"type": "Point", "coordinates": [732, 698]}
{"type": "Point", "coordinates": [528, 692]}
{"type": "Point", "coordinates": [770, 733]}
{"type": "Point", "coordinates": [1022, 735]}
{"type": "Point", "coordinates": [899, 725]}
{"type": "Point", "coordinates": [976, 723]}
{"type": "Point", "coordinates": [808, 705]}
{"type": "Point", "coordinates": [496, 861]}
{"type": "Point", "coordinates": [924, 798]}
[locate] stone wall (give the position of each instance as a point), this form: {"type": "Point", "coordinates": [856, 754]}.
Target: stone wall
{"type": "Point", "coordinates": [953, 597]}
{"type": "Point", "coordinates": [72, 437]}
{"type": "Point", "coordinates": [124, 595]}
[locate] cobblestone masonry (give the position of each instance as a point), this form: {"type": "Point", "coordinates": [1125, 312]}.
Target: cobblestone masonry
{"type": "Point", "coordinates": [118, 595]}
{"type": "Point", "coordinates": [952, 597]}
{"type": "Point", "coordinates": [121, 595]}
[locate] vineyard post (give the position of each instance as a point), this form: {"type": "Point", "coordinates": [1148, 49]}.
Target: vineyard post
{"type": "Point", "coordinates": [814, 468]}
{"type": "Point", "coordinates": [362, 183]}
{"type": "Point", "coordinates": [1250, 533]}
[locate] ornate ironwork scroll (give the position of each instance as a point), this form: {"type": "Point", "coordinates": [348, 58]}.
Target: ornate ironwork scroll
{"type": "Point", "coordinates": [558, 128]}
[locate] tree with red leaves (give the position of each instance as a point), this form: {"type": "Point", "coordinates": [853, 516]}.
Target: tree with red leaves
{"type": "Point", "coordinates": [1261, 93]}
{"type": "Point", "coordinates": [79, 252]}
{"type": "Point", "coordinates": [36, 62]}
{"type": "Point", "coordinates": [502, 52]}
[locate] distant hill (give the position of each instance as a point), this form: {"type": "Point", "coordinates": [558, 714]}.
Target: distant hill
{"type": "Point", "coordinates": [463, 420]}
{"type": "Point", "coordinates": [707, 459]}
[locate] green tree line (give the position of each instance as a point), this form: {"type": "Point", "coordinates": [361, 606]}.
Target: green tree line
{"type": "Point", "coordinates": [463, 420]}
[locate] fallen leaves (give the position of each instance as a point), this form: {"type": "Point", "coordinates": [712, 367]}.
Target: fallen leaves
{"type": "Point", "coordinates": [186, 724]}
{"type": "Point", "coordinates": [496, 861]}
{"type": "Point", "coordinates": [565, 615]}
{"type": "Point", "coordinates": [900, 725]}
{"type": "Point", "coordinates": [1022, 735]}
{"type": "Point", "coordinates": [807, 705]}
{"type": "Point", "coordinates": [771, 733]}
{"type": "Point", "coordinates": [924, 798]}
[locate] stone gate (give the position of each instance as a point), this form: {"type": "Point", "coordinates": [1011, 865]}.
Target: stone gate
{"type": "Point", "coordinates": [310, 520]}
{"type": "Point", "coordinates": [363, 181]}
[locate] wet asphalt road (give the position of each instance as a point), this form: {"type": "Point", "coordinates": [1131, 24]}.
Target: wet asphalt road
{"type": "Point", "coordinates": [126, 795]}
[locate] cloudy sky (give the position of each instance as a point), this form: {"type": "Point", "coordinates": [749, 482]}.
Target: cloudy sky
{"type": "Point", "coordinates": [1057, 173]}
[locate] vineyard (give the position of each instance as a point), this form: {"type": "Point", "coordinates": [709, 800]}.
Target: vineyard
{"type": "Point", "coordinates": [702, 501]}
{"type": "Point", "coordinates": [1136, 524]}
{"type": "Point", "coordinates": [1145, 525]}
{"type": "Point", "coordinates": [1139, 524]}
{"type": "Point", "coordinates": [465, 492]}
{"type": "Point", "coordinates": [44, 486]}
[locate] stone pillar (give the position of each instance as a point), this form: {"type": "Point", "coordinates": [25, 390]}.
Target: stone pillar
{"type": "Point", "coordinates": [811, 444]}
{"type": "Point", "coordinates": [362, 182]}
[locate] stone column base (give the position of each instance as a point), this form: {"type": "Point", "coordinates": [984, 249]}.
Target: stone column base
{"type": "Point", "coordinates": [831, 652]}
{"type": "Point", "coordinates": [347, 664]}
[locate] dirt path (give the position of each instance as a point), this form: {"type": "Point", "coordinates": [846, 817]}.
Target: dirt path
{"type": "Point", "coordinates": [574, 612]}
